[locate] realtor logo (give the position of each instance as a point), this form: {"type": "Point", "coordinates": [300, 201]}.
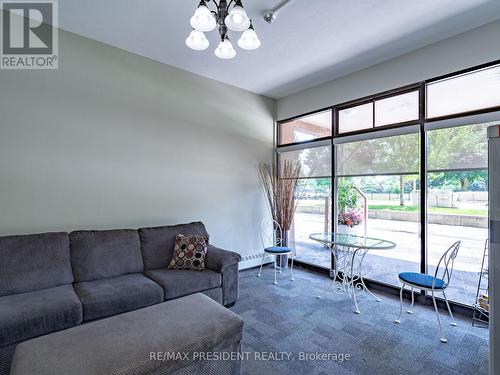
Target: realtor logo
{"type": "Point", "coordinates": [29, 34]}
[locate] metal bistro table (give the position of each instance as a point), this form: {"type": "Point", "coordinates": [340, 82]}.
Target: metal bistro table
{"type": "Point", "coordinates": [349, 251]}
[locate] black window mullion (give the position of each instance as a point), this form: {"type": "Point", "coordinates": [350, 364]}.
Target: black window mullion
{"type": "Point", "coordinates": [334, 185]}
{"type": "Point", "coordinates": [423, 184]}
{"type": "Point", "coordinates": [373, 114]}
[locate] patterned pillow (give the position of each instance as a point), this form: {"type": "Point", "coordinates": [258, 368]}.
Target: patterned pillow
{"type": "Point", "coordinates": [189, 253]}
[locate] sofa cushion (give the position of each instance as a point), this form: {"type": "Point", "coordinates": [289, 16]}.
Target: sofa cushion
{"type": "Point", "coordinates": [178, 283]}
{"type": "Point", "coordinates": [189, 253]}
{"type": "Point", "coordinates": [157, 243]}
{"type": "Point", "coordinates": [27, 315]}
{"type": "Point", "coordinates": [103, 254]}
{"type": "Point", "coordinates": [106, 297]}
{"type": "Point", "coordinates": [33, 262]}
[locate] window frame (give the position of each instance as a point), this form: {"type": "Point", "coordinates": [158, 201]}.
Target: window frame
{"type": "Point", "coordinates": [416, 87]}
{"type": "Point", "coordinates": [422, 122]}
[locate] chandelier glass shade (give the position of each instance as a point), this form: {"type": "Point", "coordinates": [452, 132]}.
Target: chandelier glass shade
{"type": "Point", "coordinates": [225, 50]}
{"type": "Point", "coordinates": [203, 20]}
{"type": "Point", "coordinates": [249, 40]}
{"type": "Point", "coordinates": [197, 41]}
{"type": "Point", "coordinates": [229, 15]}
{"type": "Point", "coordinates": [237, 19]}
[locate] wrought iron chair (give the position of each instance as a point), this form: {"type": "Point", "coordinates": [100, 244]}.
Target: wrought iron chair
{"type": "Point", "coordinates": [431, 283]}
{"type": "Point", "coordinates": [271, 235]}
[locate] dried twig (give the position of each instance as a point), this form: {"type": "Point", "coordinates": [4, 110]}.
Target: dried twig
{"type": "Point", "coordinates": [281, 190]}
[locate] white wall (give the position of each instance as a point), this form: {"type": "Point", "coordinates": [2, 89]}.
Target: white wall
{"type": "Point", "coordinates": [115, 140]}
{"type": "Point", "coordinates": [469, 49]}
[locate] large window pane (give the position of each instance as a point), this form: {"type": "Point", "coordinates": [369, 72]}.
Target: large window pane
{"type": "Point", "coordinates": [314, 162]}
{"type": "Point", "coordinates": [356, 118]}
{"type": "Point", "coordinates": [392, 214]}
{"type": "Point", "coordinates": [457, 198]}
{"type": "Point", "coordinates": [313, 215]}
{"type": "Point", "coordinates": [467, 92]}
{"type": "Point", "coordinates": [458, 148]}
{"type": "Point", "coordinates": [390, 155]}
{"type": "Point", "coordinates": [306, 128]}
{"type": "Point", "coordinates": [401, 108]}
{"type": "Point", "coordinates": [314, 203]}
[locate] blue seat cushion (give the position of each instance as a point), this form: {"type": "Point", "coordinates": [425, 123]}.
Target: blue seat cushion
{"type": "Point", "coordinates": [277, 249]}
{"type": "Point", "coordinates": [421, 279]}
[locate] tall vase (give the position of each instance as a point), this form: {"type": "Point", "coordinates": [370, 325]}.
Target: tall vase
{"type": "Point", "coordinates": [282, 260]}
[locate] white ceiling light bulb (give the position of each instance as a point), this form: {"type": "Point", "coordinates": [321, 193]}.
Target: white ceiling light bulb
{"type": "Point", "coordinates": [203, 19]}
{"type": "Point", "coordinates": [197, 41]}
{"type": "Point", "coordinates": [225, 50]}
{"type": "Point", "coordinates": [249, 39]}
{"type": "Point", "coordinates": [237, 19]}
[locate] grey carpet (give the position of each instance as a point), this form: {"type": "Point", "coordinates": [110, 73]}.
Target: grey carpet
{"type": "Point", "coordinates": [288, 318]}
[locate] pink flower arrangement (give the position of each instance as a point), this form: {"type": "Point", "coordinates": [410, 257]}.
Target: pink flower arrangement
{"type": "Point", "coordinates": [350, 218]}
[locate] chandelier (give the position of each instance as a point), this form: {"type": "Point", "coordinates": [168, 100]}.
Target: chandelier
{"type": "Point", "coordinates": [230, 15]}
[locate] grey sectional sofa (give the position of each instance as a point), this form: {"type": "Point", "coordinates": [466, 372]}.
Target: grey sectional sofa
{"type": "Point", "coordinates": [136, 342]}
{"type": "Point", "coordinates": [53, 281]}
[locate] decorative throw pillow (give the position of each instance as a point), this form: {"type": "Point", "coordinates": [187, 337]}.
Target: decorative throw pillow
{"type": "Point", "coordinates": [189, 253]}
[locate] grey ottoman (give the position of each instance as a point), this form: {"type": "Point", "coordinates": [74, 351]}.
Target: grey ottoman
{"type": "Point", "coordinates": [189, 335]}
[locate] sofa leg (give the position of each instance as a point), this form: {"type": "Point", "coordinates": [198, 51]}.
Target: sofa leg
{"type": "Point", "coordinates": [230, 304]}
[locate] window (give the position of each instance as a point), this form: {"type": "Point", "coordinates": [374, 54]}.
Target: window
{"type": "Point", "coordinates": [356, 118]}
{"type": "Point", "coordinates": [395, 109]}
{"type": "Point", "coordinates": [314, 162]}
{"type": "Point", "coordinates": [458, 148]}
{"type": "Point", "coordinates": [457, 198]}
{"type": "Point", "coordinates": [464, 93]}
{"type": "Point", "coordinates": [306, 128]}
{"type": "Point", "coordinates": [378, 184]}
{"type": "Point", "coordinates": [314, 203]}
{"type": "Point", "coordinates": [313, 215]}
{"type": "Point", "coordinates": [390, 155]}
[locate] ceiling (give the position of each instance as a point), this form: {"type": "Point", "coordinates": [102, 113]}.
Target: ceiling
{"type": "Point", "coordinates": [311, 42]}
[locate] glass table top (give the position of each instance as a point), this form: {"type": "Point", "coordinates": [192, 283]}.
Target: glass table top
{"type": "Point", "coordinates": [350, 240]}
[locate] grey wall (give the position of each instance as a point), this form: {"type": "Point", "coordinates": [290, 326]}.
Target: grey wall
{"type": "Point", "coordinates": [112, 139]}
{"type": "Point", "coordinates": [469, 49]}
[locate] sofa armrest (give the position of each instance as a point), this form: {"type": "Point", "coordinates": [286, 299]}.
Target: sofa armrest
{"type": "Point", "coordinates": [218, 259]}
{"type": "Point", "coordinates": [226, 263]}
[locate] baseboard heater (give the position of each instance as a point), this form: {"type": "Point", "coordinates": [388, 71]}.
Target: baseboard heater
{"type": "Point", "coordinates": [254, 260]}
